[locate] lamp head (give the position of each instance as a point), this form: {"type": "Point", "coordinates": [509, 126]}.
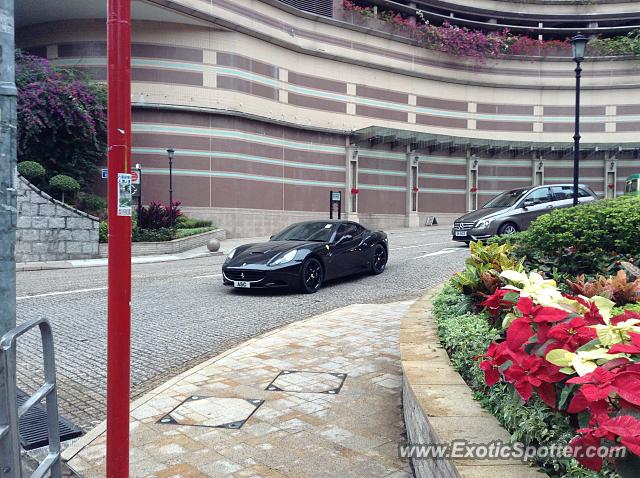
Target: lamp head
{"type": "Point", "coordinates": [170, 152]}
{"type": "Point", "coordinates": [579, 44]}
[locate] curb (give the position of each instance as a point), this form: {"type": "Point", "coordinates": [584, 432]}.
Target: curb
{"type": "Point", "coordinates": [439, 407]}
{"type": "Point", "coordinates": [84, 263]}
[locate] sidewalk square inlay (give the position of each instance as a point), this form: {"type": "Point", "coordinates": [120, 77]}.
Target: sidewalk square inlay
{"type": "Point", "coordinates": [307, 382]}
{"type": "Point", "coordinates": [212, 412]}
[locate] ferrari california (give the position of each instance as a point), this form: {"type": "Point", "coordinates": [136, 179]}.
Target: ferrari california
{"type": "Point", "coordinates": [305, 255]}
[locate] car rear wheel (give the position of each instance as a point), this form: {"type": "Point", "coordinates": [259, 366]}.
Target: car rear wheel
{"type": "Point", "coordinates": [508, 228]}
{"type": "Point", "coordinates": [311, 276]}
{"type": "Point", "coordinates": [379, 259]}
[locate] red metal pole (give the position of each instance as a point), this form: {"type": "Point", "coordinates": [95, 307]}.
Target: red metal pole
{"type": "Point", "coordinates": [119, 282]}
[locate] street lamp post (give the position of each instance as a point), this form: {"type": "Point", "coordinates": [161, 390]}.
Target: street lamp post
{"type": "Point", "coordinates": [578, 43]}
{"type": "Point", "coordinates": [170, 153]}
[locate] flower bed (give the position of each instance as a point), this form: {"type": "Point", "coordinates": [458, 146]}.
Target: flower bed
{"type": "Point", "coordinates": [461, 41]}
{"type": "Point", "coordinates": [554, 368]}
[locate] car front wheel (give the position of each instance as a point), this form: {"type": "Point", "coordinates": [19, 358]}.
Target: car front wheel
{"type": "Point", "coordinates": [508, 228]}
{"type": "Point", "coordinates": [379, 259]}
{"type": "Point", "coordinates": [311, 276]}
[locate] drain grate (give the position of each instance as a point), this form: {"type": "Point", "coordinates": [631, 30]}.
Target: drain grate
{"type": "Point", "coordinates": [301, 381]}
{"type": "Point", "coordinates": [32, 426]}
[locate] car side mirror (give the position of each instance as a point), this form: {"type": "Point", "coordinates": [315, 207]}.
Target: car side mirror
{"type": "Point", "coordinates": [528, 203]}
{"type": "Point", "coordinates": [270, 238]}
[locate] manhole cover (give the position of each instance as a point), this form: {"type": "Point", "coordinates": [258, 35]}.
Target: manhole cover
{"type": "Point", "coordinates": [307, 382]}
{"type": "Point", "coordinates": [212, 412]}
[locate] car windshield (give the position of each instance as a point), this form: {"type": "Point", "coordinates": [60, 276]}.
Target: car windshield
{"type": "Point", "coordinates": [307, 231]}
{"type": "Point", "coordinates": [506, 199]}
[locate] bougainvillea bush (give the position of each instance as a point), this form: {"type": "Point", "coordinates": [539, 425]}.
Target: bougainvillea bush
{"type": "Point", "coordinates": [577, 358]}
{"type": "Point", "coordinates": [61, 119]}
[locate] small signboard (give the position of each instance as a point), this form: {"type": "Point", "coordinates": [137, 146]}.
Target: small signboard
{"type": "Point", "coordinates": [336, 196]}
{"type": "Point", "coordinates": [105, 173]}
{"type": "Point", "coordinates": [135, 176]}
{"type": "Point", "coordinates": [431, 221]}
{"type": "Point", "coordinates": [124, 194]}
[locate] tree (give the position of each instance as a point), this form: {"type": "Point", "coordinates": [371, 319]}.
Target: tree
{"type": "Point", "coordinates": [61, 119]}
{"type": "Point", "coordinates": [64, 184]}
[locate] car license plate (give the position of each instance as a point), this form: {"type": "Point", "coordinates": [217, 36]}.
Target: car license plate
{"type": "Point", "coordinates": [460, 233]}
{"type": "Point", "coordinates": [241, 283]}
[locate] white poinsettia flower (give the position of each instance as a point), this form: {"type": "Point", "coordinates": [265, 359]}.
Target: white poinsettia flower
{"type": "Point", "coordinates": [542, 291]}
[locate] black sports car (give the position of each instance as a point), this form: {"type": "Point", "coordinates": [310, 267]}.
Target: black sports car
{"type": "Point", "coordinates": [306, 254]}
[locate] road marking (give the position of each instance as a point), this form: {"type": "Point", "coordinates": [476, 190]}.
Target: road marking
{"type": "Point", "coordinates": [65, 292]}
{"type": "Point", "coordinates": [443, 251]}
{"type": "Point", "coordinates": [420, 245]}
{"type": "Point", "coordinates": [204, 277]}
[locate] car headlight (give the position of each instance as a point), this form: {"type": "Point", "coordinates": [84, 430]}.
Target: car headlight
{"type": "Point", "coordinates": [231, 254]}
{"type": "Point", "coordinates": [288, 257]}
{"type": "Point", "coordinates": [483, 223]}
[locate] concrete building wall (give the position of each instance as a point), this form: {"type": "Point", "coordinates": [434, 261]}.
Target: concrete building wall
{"type": "Point", "coordinates": [260, 104]}
{"type": "Point", "coordinates": [49, 230]}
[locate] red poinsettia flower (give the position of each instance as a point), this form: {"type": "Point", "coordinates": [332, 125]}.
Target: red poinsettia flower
{"type": "Point", "coordinates": [572, 334]}
{"type": "Point", "coordinates": [497, 354]}
{"type": "Point", "coordinates": [540, 313]}
{"type": "Point", "coordinates": [497, 302]}
{"type": "Point", "coordinates": [529, 372]}
{"type": "Point", "coordinates": [581, 446]}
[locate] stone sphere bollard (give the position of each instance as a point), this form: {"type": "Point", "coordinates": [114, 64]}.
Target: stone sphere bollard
{"type": "Point", "coordinates": [213, 245]}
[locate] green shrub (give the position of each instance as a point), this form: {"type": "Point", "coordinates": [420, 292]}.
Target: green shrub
{"type": "Point", "coordinates": [587, 239]}
{"type": "Point", "coordinates": [184, 222]}
{"type": "Point", "coordinates": [153, 235]}
{"type": "Point", "coordinates": [64, 184]}
{"type": "Point", "coordinates": [103, 232]}
{"type": "Point", "coordinates": [92, 204]}
{"type": "Point", "coordinates": [466, 335]}
{"type": "Point", "coordinates": [31, 170]}
{"type": "Point", "coordinates": [180, 233]}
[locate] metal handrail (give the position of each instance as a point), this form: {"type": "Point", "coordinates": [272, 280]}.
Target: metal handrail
{"type": "Point", "coordinates": [9, 437]}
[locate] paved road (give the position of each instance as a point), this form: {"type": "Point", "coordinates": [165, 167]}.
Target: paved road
{"type": "Point", "coordinates": [182, 314]}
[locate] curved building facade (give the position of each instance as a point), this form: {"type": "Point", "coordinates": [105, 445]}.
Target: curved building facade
{"type": "Point", "coordinates": [270, 107]}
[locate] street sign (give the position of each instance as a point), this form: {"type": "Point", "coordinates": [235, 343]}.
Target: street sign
{"type": "Point", "coordinates": [336, 196]}
{"type": "Point", "coordinates": [135, 176]}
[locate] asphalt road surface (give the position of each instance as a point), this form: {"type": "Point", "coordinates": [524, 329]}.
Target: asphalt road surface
{"type": "Point", "coordinates": [182, 314]}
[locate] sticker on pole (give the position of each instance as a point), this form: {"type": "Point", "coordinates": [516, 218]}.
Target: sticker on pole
{"type": "Point", "coordinates": [124, 194]}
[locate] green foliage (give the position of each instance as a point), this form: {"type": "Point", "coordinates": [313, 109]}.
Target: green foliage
{"type": "Point", "coordinates": [31, 170]}
{"type": "Point", "coordinates": [628, 44]}
{"type": "Point", "coordinates": [153, 235]}
{"type": "Point", "coordinates": [64, 184]}
{"type": "Point", "coordinates": [186, 232]}
{"type": "Point", "coordinates": [466, 335]}
{"type": "Point", "coordinates": [92, 204]}
{"type": "Point", "coordinates": [589, 238]}
{"type": "Point", "coordinates": [103, 233]}
{"type": "Point", "coordinates": [184, 222]}
{"type": "Point", "coordinates": [483, 268]}
{"type": "Point", "coordinates": [633, 307]}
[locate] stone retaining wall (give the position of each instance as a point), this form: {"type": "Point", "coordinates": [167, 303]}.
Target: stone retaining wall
{"type": "Point", "coordinates": [49, 230]}
{"type": "Point", "coordinates": [170, 247]}
{"type": "Point", "coordinates": [439, 406]}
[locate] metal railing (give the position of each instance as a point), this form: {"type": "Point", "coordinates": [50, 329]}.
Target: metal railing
{"type": "Point", "coordinates": [9, 436]}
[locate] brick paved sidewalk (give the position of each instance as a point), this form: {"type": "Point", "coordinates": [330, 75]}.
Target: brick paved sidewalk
{"type": "Point", "coordinates": [317, 398]}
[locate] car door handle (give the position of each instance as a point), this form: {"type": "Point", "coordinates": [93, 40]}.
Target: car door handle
{"type": "Point", "coordinates": [550, 206]}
